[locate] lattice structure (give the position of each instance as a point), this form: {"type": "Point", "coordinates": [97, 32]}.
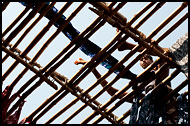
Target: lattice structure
{"type": "Point", "coordinates": [62, 85]}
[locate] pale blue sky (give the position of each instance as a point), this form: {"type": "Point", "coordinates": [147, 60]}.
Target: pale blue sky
{"type": "Point", "coordinates": [102, 37]}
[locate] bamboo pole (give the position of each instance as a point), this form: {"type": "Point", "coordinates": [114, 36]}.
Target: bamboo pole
{"type": "Point", "coordinates": [128, 25]}
{"type": "Point", "coordinates": [62, 110]}
{"type": "Point", "coordinates": [128, 96]}
{"type": "Point", "coordinates": [91, 101]}
{"type": "Point", "coordinates": [45, 45]}
{"type": "Point", "coordinates": [166, 21]}
{"type": "Point", "coordinates": [14, 33]}
{"type": "Point", "coordinates": [73, 50]}
{"type": "Point", "coordinates": [100, 92]}
{"type": "Point", "coordinates": [133, 82]}
{"type": "Point", "coordinates": [93, 59]}
{"type": "Point", "coordinates": [136, 16]}
{"type": "Point", "coordinates": [169, 78]}
{"type": "Point", "coordinates": [151, 47]}
{"type": "Point", "coordinates": [31, 26]}
{"type": "Point", "coordinates": [64, 93]}
{"type": "Point", "coordinates": [23, 24]}
{"type": "Point", "coordinates": [73, 91]}
{"type": "Point", "coordinates": [25, 94]}
{"type": "Point", "coordinates": [97, 56]}
{"type": "Point", "coordinates": [101, 57]}
{"type": "Point", "coordinates": [112, 4]}
{"type": "Point", "coordinates": [16, 20]}
{"type": "Point", "coordinates": [27, 84]}
{"type": "Point", "coordinates": [36, 39]}
{"type": "Point", "coordinates": [51, 105]}
{"type": "Point", "coordinates": [61, 27]}
{"type": "Point", "coordinates": [46, 102]}
{"type": "Point", "coordinates": [176, 90]}
{"type": "Point", "coordinates": [30, 81]}
{"type": "Point", "coordinates": [93, 86]}
{"type": "Point", "coordinates": [172, 28]}
{"type": "Point", "coordinates": [116, 24]}
{"type": "Point", "coordinates": [68, 84]}
{"type": "Point", "coordinates": [36, 22]}
{"type": "Point", "coordinates": [38, 73]}
{"type": "Point", "coordinates": [101, 5]}
{"type": "Point", "coordinates": [62, 97]}
{"type": "Point", "coordinates": [125, 98]}
{"type": "Point", "coordinates": [19, 59]}
{"type": "Point", "coordinates": [14, 48]}
{"type": "Point", "coordinates": [61, 53]}
{"type": "Point", "coordinates": [166, 80]}
{"type": "Point", "coordinates": [74, 114]}
{"type": "Point", "coordinates": [44, 31]}
{"type": "Point", "coordinates": [130, 32]}
{"type": "Point", "coordinates": [113, 69]}
{"type": "Point", "coordinates": [155, 48]}
{"type": "Point", "coordinates": [145, 18]}
{"type": "Point", "coordinates": [4, 5]}
{"type": "Point", "coordinates": [142, 11]}
{"type": "Point", "coordinates": [117, 94]}
{"type": "Point", "coordinates": [90, 68]}
{"type": "Point", "coordinates": [77, 38]}
{"type": "Point", "coordinates": [96, 21]}
{"type": "Point", "coordinates": [116, 9]}
{"type": "Point", "coordinates": [51, 22]}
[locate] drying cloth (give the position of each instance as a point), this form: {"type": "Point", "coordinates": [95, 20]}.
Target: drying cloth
{"type": "Point", "coordinates": [179, 53]}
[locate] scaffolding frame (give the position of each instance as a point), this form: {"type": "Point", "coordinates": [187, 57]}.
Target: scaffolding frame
{"type": "Point", "coordinates": [106, 14]}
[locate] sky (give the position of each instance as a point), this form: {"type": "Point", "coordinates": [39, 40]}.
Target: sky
{"type": "Point", "coordinates": [102, 37]}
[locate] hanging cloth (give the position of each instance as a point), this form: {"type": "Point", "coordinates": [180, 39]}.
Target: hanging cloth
{"type": "Point", "coordinates": [179, 53]}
